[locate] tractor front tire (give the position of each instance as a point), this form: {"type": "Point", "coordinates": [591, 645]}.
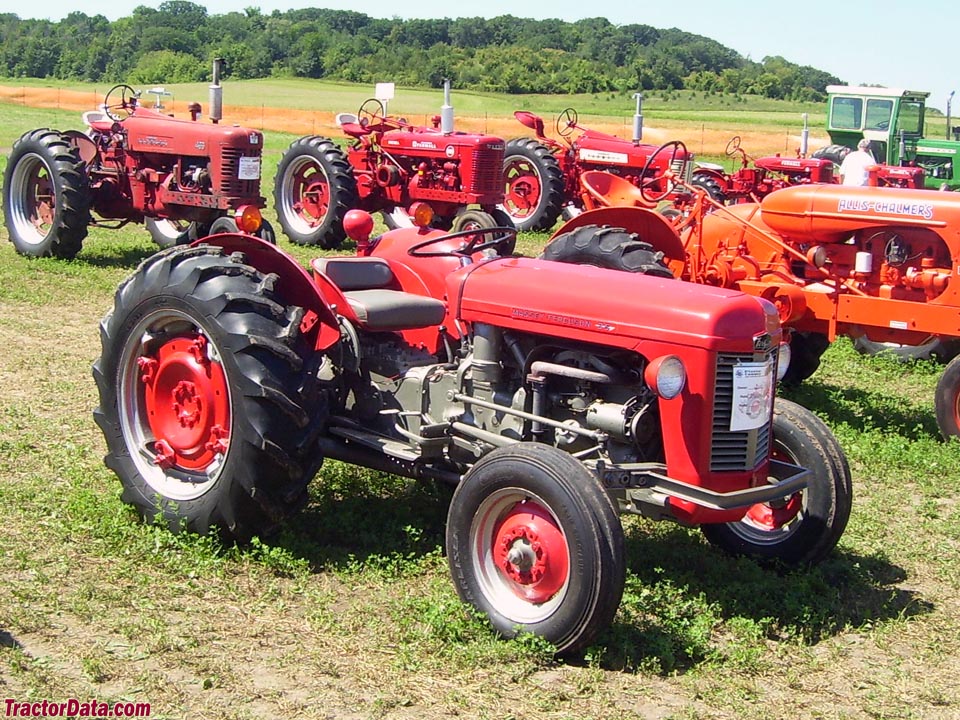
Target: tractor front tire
{"type": "Point", "coordinates": [606, 247]}
{"type": "Point", "coordinates": [803, 528]}
{"type": "Point", "coordinates": [46, 196]}
{"type": "Point", "coordinates": [202, 386]}
{"type": "Point", "coordinates": [806, 349]}
{"type": "Point", "coordinates": [535, 544]}
{"type": "Point", "coordinates": [534, 188]}
{"type": "Point", "coordinates": [314, 189]}
{"type": "Point", "coordinates": [167, 233]}
{"type": "Point", "coordinates": [947, 400]}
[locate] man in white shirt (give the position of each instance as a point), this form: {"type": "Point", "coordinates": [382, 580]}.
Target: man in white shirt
{"type": "Point", "coordinates": [853, 170]}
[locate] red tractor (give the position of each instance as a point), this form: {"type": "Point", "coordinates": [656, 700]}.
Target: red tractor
{"type": "Point", "coordinates": [542, 176]}
{"type": "Point", "coordinates": [183, 179]}
{"type": "Point", "coordinates": [389, 166]}
{"type": "Point", "coordinates": [879, 264]}
{"type": "Point", "coordinates": [552, 397]}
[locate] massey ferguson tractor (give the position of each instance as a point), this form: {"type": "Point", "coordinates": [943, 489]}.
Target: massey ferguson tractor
{"type": "Point", "coordinates": [182, 178]}
{"type": "Point", "coordinates": [389, 166]}
{"type": "Point", "coordinates": [552, 397]}
{"type": "Point", "coordinates": [541, 175]}
{"type": "Point", "coordinates": [878, 264]}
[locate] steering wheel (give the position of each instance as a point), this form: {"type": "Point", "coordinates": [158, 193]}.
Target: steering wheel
{"type": "Point", "coordinates": [733, 147]}
{"type": "Point", "coordinates": [371, 113]}
{"type": "Point", "coordinates": [566, 122]}
{"type": "Point", "coordinates": [669, 176]}
{"type": "Point", "coordinates": [120, 111]}
{"type": "Point", "coordinates": [505, 241]}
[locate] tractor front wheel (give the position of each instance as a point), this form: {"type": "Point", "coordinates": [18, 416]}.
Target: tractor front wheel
{"type": "Point", "coordinates": [534, 188]}
{"type": "Point", "coordinates": [201, 382]}
{"type": "Point", "coordinates": [314, 189]}
{"type": "Point", "coordinates": [803, 528]}
{"type": "Point", "coordinates": [46, 196]}
{"type": "Point", "coordinates": [534, 543]}
{"type": "Point", "coordinates": [167, 233]}
{"type": "Point", "coordinates": [947, 400]}
{"type": "Point", "coordinates": [806, 349]}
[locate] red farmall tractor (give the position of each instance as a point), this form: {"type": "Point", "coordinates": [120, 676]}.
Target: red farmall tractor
{"type": "Point", "coordinates": [553, 397]}
{"type": "Point", "coordinates": [541, 175]}
{"type": "Point", "coordinates": [389, 166]}
{"type": "Point", "coordinates": [878, 264]}
{"type": "Point", "coordinates": [134, 163]}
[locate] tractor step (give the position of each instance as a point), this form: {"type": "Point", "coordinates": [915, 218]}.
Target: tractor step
{"type": "Point", "coordinates": [395, 449]}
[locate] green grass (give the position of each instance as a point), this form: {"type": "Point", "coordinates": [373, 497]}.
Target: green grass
{"type": "Point", "coordinates": [350, 612]}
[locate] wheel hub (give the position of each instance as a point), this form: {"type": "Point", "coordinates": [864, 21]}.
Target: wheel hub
{"type": "Point", "coordinates": [531, 552]}
{"type": "Point", "coordinates": [187, 403]}
{"type": "Point", "coordinates": [773, 516]}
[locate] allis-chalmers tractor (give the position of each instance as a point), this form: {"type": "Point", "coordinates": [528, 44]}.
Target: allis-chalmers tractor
{"type": "Point", "coordinates": [879, 264]}
{"type": "Point", "coordinates": [389, 166]}
{"type": "Point", "coordinates": [134, 164]}
{"type": "Point", "coordinates": [542, 175]}
{"type": "Point", "coordinates": [551, 396]}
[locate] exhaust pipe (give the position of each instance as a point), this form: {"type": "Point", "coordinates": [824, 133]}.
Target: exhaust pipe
{"type": "Point", "coordinates": [216, 93]}
{"type": "Point", "coordinates": [949, 100]}
{"type": "Point", "coordinates": [804, 136]}
{"type": "Point", "coordinates": [446, 110]}
{"type": "Point", "coordinates": [638, 119]}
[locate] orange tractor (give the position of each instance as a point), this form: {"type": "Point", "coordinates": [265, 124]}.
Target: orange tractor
{"type": "Point", "coordinates": [876, 263]}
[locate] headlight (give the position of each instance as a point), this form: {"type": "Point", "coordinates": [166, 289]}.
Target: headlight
{"type": "Point", "coordinates": [784, 356]}
{"type": "Point", "coordinates": [666, 376]}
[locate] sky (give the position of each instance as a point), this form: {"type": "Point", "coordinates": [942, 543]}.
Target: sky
{"type": "Point", "coordinates": [879, 42]}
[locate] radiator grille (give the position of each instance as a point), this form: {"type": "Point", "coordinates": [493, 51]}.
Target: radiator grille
{"type": "Point", "coordinates": [487, 171]}
{"type": "Point", "coordinates": [739, 450]}
{"type": "Point", "coordinates": [230, 184]}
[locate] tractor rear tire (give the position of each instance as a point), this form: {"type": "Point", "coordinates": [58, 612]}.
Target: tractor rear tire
{"type": "Point", "coordinates": [203, 402]}
{"type": "Point", "coordinates": [946, 400]}
{"type": "Point", "coordinates": [939, 349]}
{"type": "Point", "coordinates": [804, 528]}
{"type": "Point", "coordinates": [606, 247]}
{"type": "Point", "coordinates": [534, 188]}
{"type": "Point", "coordinates": [167, 233]}
{"type": "Point", "coordinates": [535, 544]}
{"type": "Point", "coordinates": [314, 189]}
{"type": "Point", "coordinates": [46, 196]}
{"type": "Point", "coordinates": [833, 153]}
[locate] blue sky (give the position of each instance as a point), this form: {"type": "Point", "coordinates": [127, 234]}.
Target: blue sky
{"type": "Point", "coordinates": [859, 41]}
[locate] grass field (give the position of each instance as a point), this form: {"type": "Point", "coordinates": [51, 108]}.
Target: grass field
{"type": "Point", "coordinates": [349, 613]}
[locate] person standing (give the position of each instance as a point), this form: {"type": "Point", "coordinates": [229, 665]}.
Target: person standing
{"type": "Point", "coordinates": [853, 169]}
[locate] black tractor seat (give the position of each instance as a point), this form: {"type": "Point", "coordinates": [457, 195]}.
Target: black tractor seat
{"type": "Point", "coordinates": [369, 286]}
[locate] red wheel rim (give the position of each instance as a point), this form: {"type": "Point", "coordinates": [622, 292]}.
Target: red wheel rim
{"type": "Point", "coordinates": [523, 188]}
{"type": "Point", "coordinates": [186, 402]}
{"type": "Point", "coordinates": [530, 552]}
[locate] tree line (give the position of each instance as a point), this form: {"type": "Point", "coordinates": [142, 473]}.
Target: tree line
{"type": "Point", "coordinates": [177, 41]}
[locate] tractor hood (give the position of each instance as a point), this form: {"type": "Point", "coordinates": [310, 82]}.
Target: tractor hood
{"type": "Point", "coordinates": [832, 213]}
{"type": "Point", "coordinates": [152, 132]}
{"type": "Point", "coordinates": [609, 306]}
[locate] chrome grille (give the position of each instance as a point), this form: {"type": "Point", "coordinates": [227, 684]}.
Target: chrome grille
{"type": "Point", "coordinates": [732, 451]}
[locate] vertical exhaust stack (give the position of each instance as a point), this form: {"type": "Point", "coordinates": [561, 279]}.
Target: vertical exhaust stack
{"type": "Point", "coordinates": [805, 136]}
{"type": "Point", "coordinates": [949, 101]}
{"type": "Point", "coordinates": [216, 93]}
{"type": "Point", "coordinates": [638, 119]}
{"type": "Point", "coordinates": [446, 110]}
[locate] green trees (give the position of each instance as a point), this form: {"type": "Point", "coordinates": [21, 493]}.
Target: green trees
{"type": "Point", "coordinates": [176, 42]}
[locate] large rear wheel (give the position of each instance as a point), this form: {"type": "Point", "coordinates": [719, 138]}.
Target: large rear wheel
{"type": "Point", "coordinates": [534, 189]}
{"type": "Point", "coordinates": [803, 528]}
{"type": "Point", "coordinates": [947, 400]}
{"type": "Point", "coordinates": [201, 381]}
{"type": "Point", "coordinates": [46, 196]}
{"type": "Point", "coordinates": [611, 248]}
{"type": "Point", "coordinates": [314, 189]}
{"type": "Point", "coordinates": [534, 543]}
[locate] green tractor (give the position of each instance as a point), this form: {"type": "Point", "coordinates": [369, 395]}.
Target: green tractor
{"type": "Point", "coordinates": [892, 120]}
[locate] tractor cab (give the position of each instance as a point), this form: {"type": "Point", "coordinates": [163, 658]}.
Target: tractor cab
{"type": "Point", "coordinates": [893, 121]}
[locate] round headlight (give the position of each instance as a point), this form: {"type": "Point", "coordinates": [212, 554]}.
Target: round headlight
{"type": "Point", "coordinates": [666, 376]}
{"type": "Point", "coordinates": [784, 356]}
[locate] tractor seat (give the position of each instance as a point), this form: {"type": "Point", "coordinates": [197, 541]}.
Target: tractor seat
{"type": "Point", "coordinates": [98, 120]}
{"type": "Point", "coordinates": [365, 282]}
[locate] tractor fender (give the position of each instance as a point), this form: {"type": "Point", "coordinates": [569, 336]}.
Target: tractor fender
{"type": "Point", "coordinates": [650, 226]}
{"type": "Point", "coordinates": [297, 287]}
